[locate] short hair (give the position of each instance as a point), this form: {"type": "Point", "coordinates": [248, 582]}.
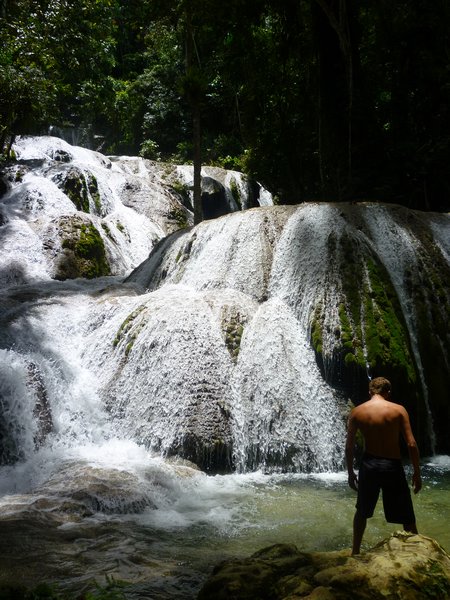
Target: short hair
{"type": "Point", "coordinates": [380, 385]}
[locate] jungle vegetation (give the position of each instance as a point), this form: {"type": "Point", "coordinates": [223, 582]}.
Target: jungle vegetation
{"type": "Point", "coordinates": [317, 99]}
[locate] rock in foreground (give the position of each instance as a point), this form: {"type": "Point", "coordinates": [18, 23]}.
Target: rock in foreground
{"type": "Point", "coordinates": [404, 567]}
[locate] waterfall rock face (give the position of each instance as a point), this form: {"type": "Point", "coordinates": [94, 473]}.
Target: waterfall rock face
{"type": "Point", "coordinates": [74, 213]}
{"type": "Point", "coordinates": [363, 287]}
{"type": "Point", "coordinates": [236, 344]}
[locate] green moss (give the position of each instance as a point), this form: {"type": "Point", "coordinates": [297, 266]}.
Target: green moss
{"type": "Point", "coordinates": [385, 329]}
{"type": "Point", "coordinates": [75, 188]}
{"type": "Point", "coordinates": [233, 329]}
{"type": "Point", "coordinates": [90, 247]}
{"type": "Point", "coordinates": [234, 188]}
{"type": "Point", "coordinates": [107, 230]}
{"type": "Point", "coordinates": [89, 251]}
{"type": "Point", "coordinates": [371, 332]}
{"type": "Point", "coordinates": [81, 188]}
{"type": "Point", "coordinates": [94, 193]}
{"type": "Point", "coordinates": [124, 330]}
{"type": "Point", "coordinates": [371, 328]}
{"type": "Point", "coordinates": [179, 216]}
{"type": "Point", "coordinates": [436, 584]}
{"type": "Point", "coordinates": [316, 329]}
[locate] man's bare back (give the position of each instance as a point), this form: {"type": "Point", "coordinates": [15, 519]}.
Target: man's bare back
{"type": "Point", "coordinates": [381, 422]}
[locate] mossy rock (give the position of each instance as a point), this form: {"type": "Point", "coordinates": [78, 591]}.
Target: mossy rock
{"type": "Point", "coordinates": [83, 250]}
{"type": "Point", "coordinates": [124, 335]}
{"type": "Point", "coordinates": [236, 193]}
{"type": "Point", "coordinates": [81, 188]}
{"type": "Point", "coordinates": [405, 566]}
{"type": "Point", "coordinates": [371, 335]}
{"type": "Point", "coordinates": [233, 325]}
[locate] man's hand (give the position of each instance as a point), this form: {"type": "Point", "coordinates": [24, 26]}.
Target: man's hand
{"type": "Point", "coordinates": [353, 481]}
{"type": "Point", "coordinates": [416, 482]}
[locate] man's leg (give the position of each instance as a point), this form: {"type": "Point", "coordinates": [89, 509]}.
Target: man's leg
{"type": "Point", "coordinates": [412, 528]}
{"type": "Point", "coordinates": [359, 526]}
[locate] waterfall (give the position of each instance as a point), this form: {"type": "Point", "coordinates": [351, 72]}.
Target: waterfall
{"type": "Point", "coordinates": [216, 343]}
{"type": "Point", "coordinates": [399, 251]}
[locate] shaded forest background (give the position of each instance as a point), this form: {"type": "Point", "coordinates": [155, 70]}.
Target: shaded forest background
{"type": "Point", "coordinates": [316, 99]}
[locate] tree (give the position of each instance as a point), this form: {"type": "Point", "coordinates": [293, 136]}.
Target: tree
{"type": "Point", "coordinates": [334, 39]}
{"type": "Point", "coordinates": [55, 60]}
{"type": "Point", "coordinates": [317, 99]}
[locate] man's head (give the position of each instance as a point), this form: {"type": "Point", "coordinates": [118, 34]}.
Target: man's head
{"type": "Point", "coordinates": [380, 386]}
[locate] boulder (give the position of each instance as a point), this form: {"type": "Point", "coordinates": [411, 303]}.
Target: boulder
{"type": "Point", "coordinates": [403, 567]}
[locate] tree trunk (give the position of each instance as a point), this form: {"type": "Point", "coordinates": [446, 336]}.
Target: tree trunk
{"type": "Point", "coordinates": [198, 210]}
{"type": "Point", "coordinates": [194, 100]}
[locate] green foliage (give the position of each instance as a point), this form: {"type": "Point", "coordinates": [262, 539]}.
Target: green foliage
{"type": "Point", "coordinates": [316, 100]}
{"type": "Point", "coordinates": [149, 149]}
{"type": "Point", "coordinates": [48, 71]}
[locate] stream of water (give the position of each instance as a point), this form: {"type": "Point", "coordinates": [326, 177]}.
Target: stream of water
{"type": "Point", "coordinates": [113, 510]}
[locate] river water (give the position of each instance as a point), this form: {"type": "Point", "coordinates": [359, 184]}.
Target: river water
{"type": "Point", "coordinates": [161, 526]}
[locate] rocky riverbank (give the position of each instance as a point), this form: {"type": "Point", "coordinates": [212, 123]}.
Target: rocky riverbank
{"type": "Point", "coordinates": [403, 567]}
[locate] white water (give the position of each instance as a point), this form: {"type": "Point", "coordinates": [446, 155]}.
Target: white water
{"type": "Point", "coordinates": [150, 367]}
{"type": "Point", "coordinates": [399, 251]}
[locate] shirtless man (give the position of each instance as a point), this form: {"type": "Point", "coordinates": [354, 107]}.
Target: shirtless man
{"type": "Point", "coordinates": [381, 423]}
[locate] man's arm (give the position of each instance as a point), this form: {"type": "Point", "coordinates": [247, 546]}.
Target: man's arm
{"type": "Point", "coordinates": [349, 452]}
{"type": "Point", "coordinates": [413, 451]}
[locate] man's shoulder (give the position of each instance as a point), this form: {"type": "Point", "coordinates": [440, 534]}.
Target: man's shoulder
{"type": "Point", "coordinates": [360, 411]}
{"type": "Point", "coordinates": [377, 406]}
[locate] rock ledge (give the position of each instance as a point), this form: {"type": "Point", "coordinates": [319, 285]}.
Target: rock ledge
{"type": "Point", "coordinates": [404, 567]}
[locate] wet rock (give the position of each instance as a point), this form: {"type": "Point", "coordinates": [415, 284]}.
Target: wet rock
{"type": "Point", "coordinates": [42, 411]}
{"type": "Point", "coordinates": [87, 490]}
{"type": "Point", "coordinates": [82, 251]}
{"type": "Point", "coordinates": [3, 186]}
{"type": "Point", "coordinates": [80, 186]}
{"type": "Point", "coordinates": [403, 567]}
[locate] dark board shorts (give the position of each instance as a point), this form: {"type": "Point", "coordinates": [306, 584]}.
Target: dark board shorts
{"type": "Point", "coordinates": [385, 474]}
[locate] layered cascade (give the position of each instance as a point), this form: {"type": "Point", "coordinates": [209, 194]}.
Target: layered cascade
{"type": "Point", "coordinates": [239, 344]}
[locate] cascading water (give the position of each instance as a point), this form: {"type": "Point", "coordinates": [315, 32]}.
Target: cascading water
{"type": "Point", "coordinates": [272, 369]}
{"type": "Point", "coordinates": [399, 252]}
{"type": "Point", "coordinates": [203, 352]}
